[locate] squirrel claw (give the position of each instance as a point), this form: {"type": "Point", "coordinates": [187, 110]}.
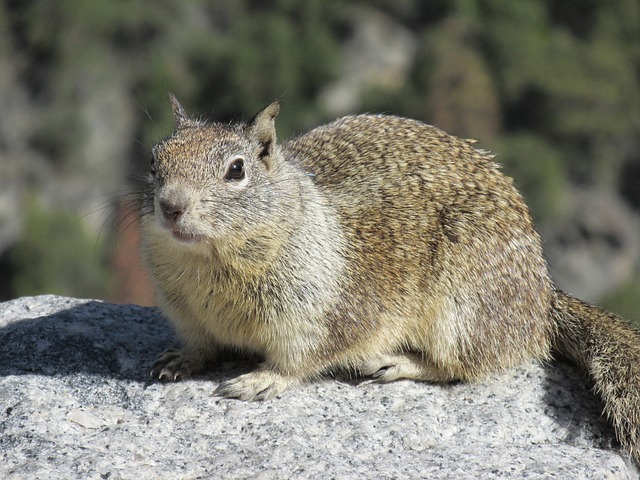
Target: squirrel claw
{"type": "Point", "coordinates": [174, 364]}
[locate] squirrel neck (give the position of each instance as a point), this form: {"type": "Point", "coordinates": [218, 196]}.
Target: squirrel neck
{"type": "Point", "coordinates": [302, 217]}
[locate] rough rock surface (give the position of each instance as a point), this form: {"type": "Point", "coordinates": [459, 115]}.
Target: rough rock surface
{"type": "Point", "coordinates": [77, 402]}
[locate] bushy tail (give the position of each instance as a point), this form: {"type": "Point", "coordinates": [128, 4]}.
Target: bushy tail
{"type": "Point", "coordinates": [608, 348]}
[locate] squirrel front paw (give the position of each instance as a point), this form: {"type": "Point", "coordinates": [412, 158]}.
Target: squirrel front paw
{"type": "Point", "coordinates": [177, 364]}
{"type": "Point", "coordinates": [262, 384]}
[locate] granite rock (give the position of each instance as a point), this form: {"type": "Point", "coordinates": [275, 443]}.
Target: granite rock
{"type": "Point", "coordinates": [76, 401]}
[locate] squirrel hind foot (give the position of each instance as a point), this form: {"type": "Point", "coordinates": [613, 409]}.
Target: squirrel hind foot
{"type": "Point", "coordinates": [414, 366]}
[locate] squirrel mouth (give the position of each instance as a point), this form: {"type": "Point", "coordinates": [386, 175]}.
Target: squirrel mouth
{"type": "Point", "coordinates": [180, 232]}
{"type": "Point", "coordinates": [185, 237]}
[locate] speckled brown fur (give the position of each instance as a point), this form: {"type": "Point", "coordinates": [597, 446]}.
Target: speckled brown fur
{"type": "Point", "coordinates": [376, 244]}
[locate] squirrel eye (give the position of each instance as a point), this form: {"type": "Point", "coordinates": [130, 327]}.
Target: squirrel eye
{"type": "Point", "coordinates": [235, 170]}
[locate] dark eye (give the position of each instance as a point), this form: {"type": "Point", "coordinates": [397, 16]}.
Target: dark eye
{"type": "Point", "coordinates": [235, 170]}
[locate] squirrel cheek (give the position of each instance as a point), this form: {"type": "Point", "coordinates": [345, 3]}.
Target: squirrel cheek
{"type": "Point", "coordinates": [237, 184]}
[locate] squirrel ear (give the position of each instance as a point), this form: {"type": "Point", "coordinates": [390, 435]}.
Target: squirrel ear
{"type": "Point", "coordinates": [179, 115]}
{"type": "Point", "coordinates": [263, 130]}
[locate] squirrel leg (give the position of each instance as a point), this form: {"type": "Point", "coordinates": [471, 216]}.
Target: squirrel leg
{"type": "Point", "coordinates": [261, 384]}
{"type": "Point", "coordinates": [388, 368]}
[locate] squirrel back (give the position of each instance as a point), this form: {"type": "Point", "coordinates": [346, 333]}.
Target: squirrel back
{"type": "Point", "coordinates": [376, 244]}
{"type": "Point", "coordinates": [419, 208]}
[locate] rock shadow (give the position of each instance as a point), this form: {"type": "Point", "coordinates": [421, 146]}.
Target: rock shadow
{"type": "Point", "coordinates": [97, 338]}
{"type": "Point", "coordinates": [93, 338]}
{"type": "Point", "coordinates": [576, 408]}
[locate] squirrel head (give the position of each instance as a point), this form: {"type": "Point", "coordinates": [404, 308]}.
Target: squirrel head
{"type": "Point", "coordinates": [212, 183]}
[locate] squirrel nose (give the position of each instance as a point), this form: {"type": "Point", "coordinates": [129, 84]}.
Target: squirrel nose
{"type": "Point", "coordinates": [172, 210]}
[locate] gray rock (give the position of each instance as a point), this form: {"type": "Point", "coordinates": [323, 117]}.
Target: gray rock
{"type": "Point", "coordinates": [77, 402]}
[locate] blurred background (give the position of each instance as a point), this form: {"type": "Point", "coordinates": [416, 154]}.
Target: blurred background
{"type": "Point", "coordinates": [552, 87]}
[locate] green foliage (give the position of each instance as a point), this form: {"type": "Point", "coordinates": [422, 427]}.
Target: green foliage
{"type": "Point", "coordinates": [574, 84]}
{"type": "Point", "coordinates": [295, 49]}
{"type": "Point", "coordinates": [538, 171]}
{"type": "Point", "coordinates": [624, 301]}
{"type": "Point", "coordinates": [57, 255]}
{"type": "Point", "coordinates": [285, 50]}
{"type": "Point", "coordinates": [462, 97]}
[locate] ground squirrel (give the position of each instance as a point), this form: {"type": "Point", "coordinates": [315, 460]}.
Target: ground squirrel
{"type": "Point", "coordinates": [376, 244]}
